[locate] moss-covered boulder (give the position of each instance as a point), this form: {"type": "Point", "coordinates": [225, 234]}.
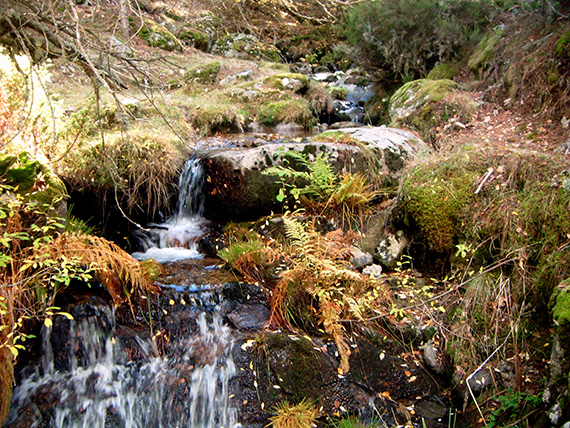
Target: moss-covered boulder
{"type": "Point", "coordinates": [158, 36]}
{"type": "Point", "coordinates": [557, 392]}
{"type": "Point", "coordinates": [245, 46]}
{"type": "Point", "coordinates": [295, 82]}
{"type": "Point", "coordinates": [427, 105]}
{"type": "Point", "coordinates": [237, 189]}
{"type": "Point", "coordinates": [194, 37]}
{"type": "Point", "coordinates": [34, 180]}
{"type": "Point", "coordinates": [294, 110]}
{"type": "Point", "coordinates": [205, 74]}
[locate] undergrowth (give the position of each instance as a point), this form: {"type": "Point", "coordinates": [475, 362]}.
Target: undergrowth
{"type": "Point", "coordinates": [315, 187]}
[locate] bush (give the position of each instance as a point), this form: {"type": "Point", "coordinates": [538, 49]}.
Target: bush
{"type": "Point", "coordinates": [407, 38]}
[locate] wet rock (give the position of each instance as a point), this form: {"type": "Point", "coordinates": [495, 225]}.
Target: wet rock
{"type": "Point", "coordinates": [433, 411]}
{"type": "Point", "coordinates": [433, 358]}
{"type": "Point", "coordinates": [390, 250]}
{"type": "Point", "coordinates": [249, 317]}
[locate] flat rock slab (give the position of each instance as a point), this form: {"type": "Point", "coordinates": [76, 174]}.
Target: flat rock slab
{"type": "Point", "coordinates": [237, 189]}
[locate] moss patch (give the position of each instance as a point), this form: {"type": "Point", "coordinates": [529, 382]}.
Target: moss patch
{"type": "Point", "coordinates": [561, 310]}
{"type": "Point", "coordinates": [32, 178]}
{"type": "Point", "coordinates": [433, 199]}
{"type": "Point", "coordinates": [292, 110]}
{"type": "Point", "coordinates": [158, 36]}
{"type": "Point", "coordinates": [194, 37]}
{"type": "Point", "coordinates": [424, 105]}
{"type": "Point", "coordinates": [295, 82]}
{"type": "Point", "coordinates": [204, 74]}
{"type": "Point", "coordinates": [485, 50]}
{"type": "Point", "coordinates": [6, 382]}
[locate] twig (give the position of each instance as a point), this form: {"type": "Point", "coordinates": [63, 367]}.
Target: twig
{"type": "Point", "coordinates": [483, 364]}
{"type": "Point", "coordinates": [445, 293]}
{"type": "Point", "coordinates": [491, 170]}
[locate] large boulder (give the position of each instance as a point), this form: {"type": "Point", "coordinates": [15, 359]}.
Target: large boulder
{"type": "Point", "coordinates": [430, 106]}
{"type": "Point", "coordinates": [237, 189]}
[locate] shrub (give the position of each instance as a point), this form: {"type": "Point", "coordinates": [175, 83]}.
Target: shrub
{"type": "Point", "coordinates": [302, 415]}
{"type": "Point", "coordinates": [407, 38]}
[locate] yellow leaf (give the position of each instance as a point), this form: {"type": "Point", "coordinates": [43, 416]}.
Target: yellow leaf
{"type": "Point", "coordinates": [48, 322]}
{"type": "Point", "coordinates": [66, 315]}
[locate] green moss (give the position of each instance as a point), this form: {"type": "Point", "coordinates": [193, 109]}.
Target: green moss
{"type": "Point", "coordinates": [485, 50]}
{"type": "Point", "coordinates": [337, 93]}
{"type": "Point", "coordinates": [204, 74]}
{"type": "Point", "coordinates": [445, 70]}
{"type": "Point", "coordinates": [218, 117]}
{"type": "Point", "coordinates": [298, 368]}
{"type": "Point", "coordinates": [158, 36]}
{"type": "Point", "coordinates": [295, 82]}
{"type": "Point", "coordinates": [30, 177]}
{"type": "Point", "coordinates": [561, 310]}
{"type": "Point", "coordinates": [290, 110]}
{"type": "Point", "coordinates": [424, 105]}
{"type": "Point", "coordinates": [195, 38]}
{"type": "Point", "coordinates": [433, 199]}
{"type": "Point", "coordinates": [562, 44]}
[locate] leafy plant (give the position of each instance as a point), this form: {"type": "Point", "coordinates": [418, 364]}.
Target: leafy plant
{"type": "Point", "coordinates": [512, 405]}
{"type": "Point", "coordinates": [249, 255]}
{"type": "Point", "coordinates": [314, 186]}
{"type": "Point", "coordinates": [301, 415]}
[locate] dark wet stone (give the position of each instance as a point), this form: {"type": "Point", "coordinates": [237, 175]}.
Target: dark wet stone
{"type": "Point", "coordinates": [433, 410]}
{"type": "Point", "coordinates": [249, 317]}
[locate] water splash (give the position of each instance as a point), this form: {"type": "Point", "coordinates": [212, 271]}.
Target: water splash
{"type": "Point", "coordinates": [103, 389]}
{"type": "Point", "coordinates": [176, 239]}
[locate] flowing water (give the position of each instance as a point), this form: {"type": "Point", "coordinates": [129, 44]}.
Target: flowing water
{"type": "Point", "coordinates": [176, 239]}
{"type": "Point", "coordinates": [96, 373]}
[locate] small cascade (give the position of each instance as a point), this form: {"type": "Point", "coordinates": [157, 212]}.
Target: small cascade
{"type": "Point", "coordinates": [176, 239]}
{"type": "Point", "coordinates": [91, 381]}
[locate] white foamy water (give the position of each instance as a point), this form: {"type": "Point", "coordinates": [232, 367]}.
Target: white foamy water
{"type": "Point", "coordinates": [177, 238]}
{"type": "Point", "coordinates": [103, 389]}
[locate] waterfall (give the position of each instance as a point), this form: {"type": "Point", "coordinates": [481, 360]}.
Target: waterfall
{"type": "Point", "coordinates": [96, 386]}
{"type": "Point", "coordinates": [176, 239]}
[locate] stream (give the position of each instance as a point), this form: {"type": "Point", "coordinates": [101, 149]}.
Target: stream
{"type": "Point", "coordinates": [196, 356]}
{"type": "Point", "coordinates": [95, 372]}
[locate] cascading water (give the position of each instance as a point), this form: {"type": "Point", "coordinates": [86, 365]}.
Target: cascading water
{"type": "Point", "coordinates": [176, 239]}
{"type": "Point", "coordinates": [96, 373]}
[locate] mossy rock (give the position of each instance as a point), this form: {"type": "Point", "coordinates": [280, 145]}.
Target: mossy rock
{"type": "Point", "coordinates": [424, 105]}
{"type": "Point", "coordinates": [485, 51]}
{"type": "Point", "coordinates": [445, 70]}
{"type": "Point", "coordinates": [205, 74]}
{"type": "Point", "coordinates": [296, 110]}
{"type": "Point", "coordinates": [296, 82]}
{"type": "Point", "coordinates": [299, 369]}
{"type": "Point", "coordinates": [246, 46]}
{"type": "Point", "coordinates": [218, 117]}
{"type": "Point", "coordinates": [432, 199]}
{"type": "Point", "coordinates": [195, 38]}
{"type": "Point", "coordinates": [157, 36]}
{"type": "Point", "coordinates": [31, 178]}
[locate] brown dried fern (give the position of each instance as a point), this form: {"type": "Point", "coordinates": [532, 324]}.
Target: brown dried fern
{"type": "Point", "coordinates": [121, 275]}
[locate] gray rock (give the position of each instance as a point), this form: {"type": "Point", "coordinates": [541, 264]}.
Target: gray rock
{"type": "Point", "coordinates": [374, 271]}
{"type": "Point", "coordinates": [360, 259]}
{"type": "Point", "coordinates": [236, 188]}
{"type": "Point", "coordinates": [120, 47]}
{"type": "Point", "coordinates": [244, 75]}
{"type": "Point", "coordinates": [432, 358]}
{"type": "Point", "coordinates": [390, 250]}
{"type": "Point", "coordinates": [249, 317]}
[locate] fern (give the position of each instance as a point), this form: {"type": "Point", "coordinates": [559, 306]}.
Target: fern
{"type": "Point", "coordinates": [322, 279]}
